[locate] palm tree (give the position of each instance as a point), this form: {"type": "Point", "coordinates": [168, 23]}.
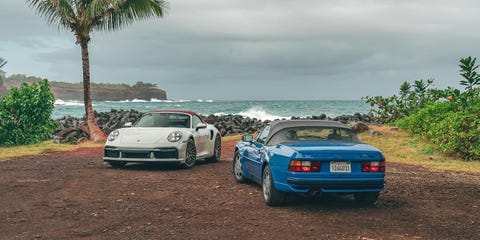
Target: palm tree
{"type": "Point", "coordinates": [2, 73]}
{"type": "Point", "coordinates": [85, 16]}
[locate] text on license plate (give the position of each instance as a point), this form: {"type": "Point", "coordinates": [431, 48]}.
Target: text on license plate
{"type": "Point", "coordinates": [340, 167]}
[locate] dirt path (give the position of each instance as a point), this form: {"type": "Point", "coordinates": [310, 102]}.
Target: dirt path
{"type": "Point", "coordinates": [75, 196]}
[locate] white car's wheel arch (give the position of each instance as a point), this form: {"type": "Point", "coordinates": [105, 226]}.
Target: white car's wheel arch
{"type": "Point", "coordinates": [213, 133]}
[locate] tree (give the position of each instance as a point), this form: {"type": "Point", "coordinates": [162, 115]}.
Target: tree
{"type": "Point", "coordinates": [85, 16]}
{"type": "Point", "coordinates": [2, 73]}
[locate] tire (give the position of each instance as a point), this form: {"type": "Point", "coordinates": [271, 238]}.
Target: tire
{"type": "Point", "coordinates": [190, 154]}
{"type": "Point", "coordinates": [217, 150]}
{"type": "Point", "coordinates": [117, 164]}
{"type": "Point", "coordinates": [271, 196]}
{"type": "Point", "coordinates": [237, 168]}
{"type": "Point", "coordinates": [366, 199]}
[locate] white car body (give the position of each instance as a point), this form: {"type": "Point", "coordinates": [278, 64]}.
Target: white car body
{"type": "Point", "coordinates": [152, 144]}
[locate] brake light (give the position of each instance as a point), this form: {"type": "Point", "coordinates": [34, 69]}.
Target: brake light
{"type": "Point", "coordinates": [304, 166]}
{"type": "Point", "coordinates": [374, 166]}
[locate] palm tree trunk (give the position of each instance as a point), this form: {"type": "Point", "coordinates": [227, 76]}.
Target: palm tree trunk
{"type": "Point", "coordinates": [96, 134]}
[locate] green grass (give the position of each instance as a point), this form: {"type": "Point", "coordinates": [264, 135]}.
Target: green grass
{"type": "Point", "coordinates": [398, 146]}
{"type": "Point", "coordinates": [7, 153]}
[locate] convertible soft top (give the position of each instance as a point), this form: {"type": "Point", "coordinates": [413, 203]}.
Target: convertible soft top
{"type": "Point", "coordinates": [278, 125]}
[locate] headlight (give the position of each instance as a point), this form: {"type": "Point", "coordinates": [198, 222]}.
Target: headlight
{"type": "Point", "coordinates": [113, 135]}
{"type": "Point", "coordinates": [174, 136]}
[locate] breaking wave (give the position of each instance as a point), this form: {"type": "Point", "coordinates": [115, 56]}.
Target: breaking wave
{"type": "Point", "coordinates": [261, 114]}
{"type": "Point", "coordinates": [60, 102]}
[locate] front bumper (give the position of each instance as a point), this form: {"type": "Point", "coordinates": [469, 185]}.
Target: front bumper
{"type": "Point", "coordinates": [169, 154]}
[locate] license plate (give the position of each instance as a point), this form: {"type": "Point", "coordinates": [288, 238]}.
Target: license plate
{"type": "Point", "coordinates": [340, 167]}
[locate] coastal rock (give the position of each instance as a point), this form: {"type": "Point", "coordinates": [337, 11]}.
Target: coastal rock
{"type": "Point", "coordinates": [360, 127]}
{"type": "Point", "coordinates": [73, 130]}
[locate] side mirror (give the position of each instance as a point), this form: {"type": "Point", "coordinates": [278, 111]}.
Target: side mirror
{"type": "Point", "coordinates": [128, 124]}
{"type": "Point", "coordinates": [247, 138]}
{"type": "Point", "coordinates": [200, 126]}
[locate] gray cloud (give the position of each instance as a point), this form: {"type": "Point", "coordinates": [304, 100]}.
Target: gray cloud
{"type": "Point", "coordinates": [280, 49]}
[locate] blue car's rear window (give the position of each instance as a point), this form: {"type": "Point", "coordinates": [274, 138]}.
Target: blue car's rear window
{"type": "Point", "coordinates": [313, 134]}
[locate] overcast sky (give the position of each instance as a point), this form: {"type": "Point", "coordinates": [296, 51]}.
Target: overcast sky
{"type": "Point", "coordinates": [259, 49]}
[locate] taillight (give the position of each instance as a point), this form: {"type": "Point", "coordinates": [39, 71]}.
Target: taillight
{"type": "Point", "coordinates": [304, 166]}
{"type": "Point", "coordinates": [373, 166]}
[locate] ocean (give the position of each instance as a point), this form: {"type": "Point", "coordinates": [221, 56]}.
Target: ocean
{"type": "Point", "coordinates": [264, 110]}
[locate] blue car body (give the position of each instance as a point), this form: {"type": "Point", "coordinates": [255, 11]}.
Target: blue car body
{"type": "Point", "coordinates": [256, 154]}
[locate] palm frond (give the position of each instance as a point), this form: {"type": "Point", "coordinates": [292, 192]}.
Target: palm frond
{"type": "Point", "coordinates": [58, 13]}
{"type": "Point", "coordinates": [120, 13]}
{"type": "Point", "coordinates": [2, 62]}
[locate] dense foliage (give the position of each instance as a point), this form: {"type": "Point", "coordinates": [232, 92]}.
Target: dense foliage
{"type": "Point", "coordinates": [25, 114]}
{"type": "Point", "coordinates": [450, 126]}
{"type": "Point", "coordinates": [448, 118]}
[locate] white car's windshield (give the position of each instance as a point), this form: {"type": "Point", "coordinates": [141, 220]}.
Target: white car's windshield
{"type": "Point", "coordinates": [313, 134]}
{"type": "Point", "coordinates": [177, 120]}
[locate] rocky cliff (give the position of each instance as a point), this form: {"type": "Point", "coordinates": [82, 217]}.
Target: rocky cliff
{"type": "Point", "coordinates": [100, 92]}
{"type": "Point", "coordinates": [108, 94]}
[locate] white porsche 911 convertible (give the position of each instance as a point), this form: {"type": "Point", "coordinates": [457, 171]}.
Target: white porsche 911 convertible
{"type": "Point", "coordinates": [164, 136]}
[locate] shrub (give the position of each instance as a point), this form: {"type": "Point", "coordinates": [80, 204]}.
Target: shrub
{"type": "Point", "coordinates": [25, 114]}
{"type": "Point", "coordinates": [448, 118]}
{"type": "Point", "coordinates": [452, 127]}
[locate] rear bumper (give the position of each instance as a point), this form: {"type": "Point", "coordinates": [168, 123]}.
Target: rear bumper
{"type": "Point", "coordinates": [342, 185]}
{"type": "Point", "coordinates": [338, 184]}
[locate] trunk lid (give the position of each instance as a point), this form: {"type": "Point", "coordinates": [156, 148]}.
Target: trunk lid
{"type": "Point", "coordinates": [335, 151]}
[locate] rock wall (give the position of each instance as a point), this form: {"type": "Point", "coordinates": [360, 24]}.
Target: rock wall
{"type": "Point", "coordinates": [74, 130]}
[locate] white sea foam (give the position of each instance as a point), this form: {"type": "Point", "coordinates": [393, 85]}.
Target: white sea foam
{"type": "Point", "coordinates": [261, 114]}
{"type": "Point", "coordinates": [156, 100]}
{"type": "Point", "coordinates": [153, 100]}
{"type": "Point", "coordinates": [138, 100]}
{"type": "Point", "coordinates": [60, 102]}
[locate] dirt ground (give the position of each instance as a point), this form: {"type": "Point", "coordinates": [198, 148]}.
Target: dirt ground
{"type": "Point", "coordinates": [75, 195]}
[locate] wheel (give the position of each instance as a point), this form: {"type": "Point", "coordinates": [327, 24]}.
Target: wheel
{"type": "Point", "coordinates": [237, 168]}
{"type": "Point", "coordinates": [271, 196]}
{"type": "Point", "coordinates": [190, 154]}
{"type": "Point", "coordinates": [117, 164]}
{"type": "Point", "coordinates": [367, 199]}
{"type": "Point", "coordinates": [217, 150]}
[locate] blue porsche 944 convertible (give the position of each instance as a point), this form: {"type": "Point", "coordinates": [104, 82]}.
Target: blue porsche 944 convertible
{"type": "Point", "coordinates": [310, 157]}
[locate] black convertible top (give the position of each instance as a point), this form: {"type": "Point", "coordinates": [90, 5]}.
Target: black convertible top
{"type": "Point", "coordinates": [278, 125]}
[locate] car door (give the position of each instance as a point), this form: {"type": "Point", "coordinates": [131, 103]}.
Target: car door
{"type": "Point", "coordinates": [201, 137]}
{"type": "Point", "coordinates": [256, 153]}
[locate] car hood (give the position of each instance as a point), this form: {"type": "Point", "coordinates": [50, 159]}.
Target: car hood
{"type": "Point", "coordinates": [151, 135]}
{"type": "Point", "coordinates": [332, 150]}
